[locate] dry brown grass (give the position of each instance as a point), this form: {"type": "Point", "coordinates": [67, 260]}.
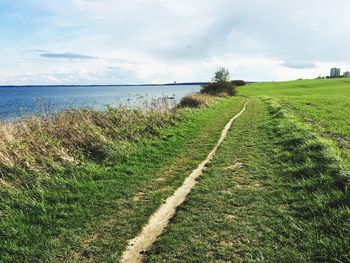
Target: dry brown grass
{"type": "Point", "coordinates": [195, 100]}
{"type": "Point", "coordinates": [223, 94]}
{"type": "Point", "coordinates": [57, 141]}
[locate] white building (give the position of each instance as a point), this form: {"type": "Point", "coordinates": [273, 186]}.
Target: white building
{"type": "Point", "coordinates": [335, 73]}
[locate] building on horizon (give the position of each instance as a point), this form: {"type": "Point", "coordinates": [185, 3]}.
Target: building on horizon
{"type": "Point", "coordinates": [335, 73]}
{"type": "Point", "coordinates": [346, 74]}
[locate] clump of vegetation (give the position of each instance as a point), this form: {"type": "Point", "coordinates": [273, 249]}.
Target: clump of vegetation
{"type": "Point", "coordinates": [195, 100]}
{"type": "Point", "coordinates": [238, 83]}
{"type": "Point", "coordinates": [220, 85]}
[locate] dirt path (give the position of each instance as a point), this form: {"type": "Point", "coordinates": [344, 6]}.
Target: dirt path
{"type": "Point", "coordinates": [159, 220]}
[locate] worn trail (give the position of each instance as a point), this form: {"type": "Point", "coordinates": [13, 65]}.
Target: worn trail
{"type": "Point", "coordinates": [159, 220]}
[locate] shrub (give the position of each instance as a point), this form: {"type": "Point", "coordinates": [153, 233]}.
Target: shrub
{"type": "Point", "coordinates": [238, 82]}
{"type": "Point", "coordinates": [216, 88]}
{"type": "Point", "coordinates": [194, 100]}
{"type": "Point", "coordinates": [221, 84]}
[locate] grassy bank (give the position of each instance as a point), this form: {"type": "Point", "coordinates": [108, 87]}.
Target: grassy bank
{"type": "Point", "coordinates": [113, 170]}
{"type": "Point", "coordinates": [275, 193]}
{"type": "Point", "coordinates": [322, 104]}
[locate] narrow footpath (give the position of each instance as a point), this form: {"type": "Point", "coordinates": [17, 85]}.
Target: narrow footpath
{"type": "Point", "coordinates": [160, 219]}
{"type": "Point", "coordinates": [240, 210]}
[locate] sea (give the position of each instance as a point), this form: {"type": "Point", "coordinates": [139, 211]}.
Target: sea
{"type": "Point", "coordinates": [17, 101]}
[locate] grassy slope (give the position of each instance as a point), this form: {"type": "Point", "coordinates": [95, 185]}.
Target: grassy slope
{"type": "Point", "coordinates": [90, 212]}
{"type": "Point", "coordinates": [322, 104]}
{"type": "Point", "coordinates": [276, 192]}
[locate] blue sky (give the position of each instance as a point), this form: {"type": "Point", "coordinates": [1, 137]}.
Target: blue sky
{"type": "Point", "coordinates": [157, 41]}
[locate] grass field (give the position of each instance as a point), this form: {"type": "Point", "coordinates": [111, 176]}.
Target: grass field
{"type": "Point", "coordinates": [322, 104]}
{"type": "Point", "coordinates": [278, 191]}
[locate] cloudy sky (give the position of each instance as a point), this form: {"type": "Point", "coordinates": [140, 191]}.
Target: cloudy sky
{"type": "Point", "coordinates": [157, 41]}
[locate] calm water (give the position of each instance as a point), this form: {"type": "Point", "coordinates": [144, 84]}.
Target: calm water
{"type": "Point", "coordinates": [16, 101]}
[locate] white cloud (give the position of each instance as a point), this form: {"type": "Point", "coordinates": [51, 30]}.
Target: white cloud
{"type": "Point", "coordinates": [65, 55]}
{"type": "Point", "coordinates": [166, 40]}
{"type": "Point", "coordinates": [298, 64]}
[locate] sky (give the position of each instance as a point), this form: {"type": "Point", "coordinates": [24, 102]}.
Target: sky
{"type": "Point", "coordinates": [161, 41]}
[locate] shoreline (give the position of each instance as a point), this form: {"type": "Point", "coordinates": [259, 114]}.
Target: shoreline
{"type": "Point", "coordinates": [108, 85]}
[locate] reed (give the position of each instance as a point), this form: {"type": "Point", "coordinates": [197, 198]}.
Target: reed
{"type": "Point", "coordinates": [57, 141]}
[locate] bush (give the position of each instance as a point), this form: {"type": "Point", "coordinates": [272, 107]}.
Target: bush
{"type": "Point", "coordinates": [238, 82]}
{"type": "Point", "coordinates": [221, 84]}
{"type": "Point", "coordinates": [194, 100]}
{"type": "Point", "coordinates": [216, 88]}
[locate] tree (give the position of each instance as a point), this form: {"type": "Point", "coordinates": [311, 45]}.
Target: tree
{"type": "Point", "coordinates": [221, 75]}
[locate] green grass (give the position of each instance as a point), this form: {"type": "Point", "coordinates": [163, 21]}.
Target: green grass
{"type": "Point", "coordinates": [278, 190]}
{"type": "Point", "coordinates": [300, 88]}
{"type": "Point", "coordinates": [87, 212]}
{"type": "Point", "coordinates": [323, 104]}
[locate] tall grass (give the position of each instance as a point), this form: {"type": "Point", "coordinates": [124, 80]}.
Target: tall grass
{"type": "Point", "coordinates": [58, 141]}
{"type": "Point", "coordinates": [195, 100]}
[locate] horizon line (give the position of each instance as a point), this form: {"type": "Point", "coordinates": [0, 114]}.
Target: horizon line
{"type": "Point", "coordinates": [106, 85]}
